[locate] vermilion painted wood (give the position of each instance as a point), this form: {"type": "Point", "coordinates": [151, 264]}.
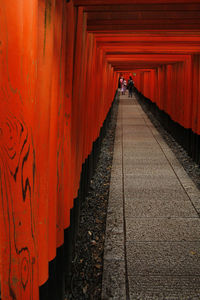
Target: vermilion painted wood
{"type": "Point", "coordinates": [18, 205]}
{"type": "Point", "coordinates": [83, 133]}
{"type": "Point", "coordinates": [89, 87]}
{"type": "Point", "coordinates": [44, 81]}
{"type": "Point", "coordinates": [59, 58]}
{"type": "Point", "coordinates": [186, 121]}
{"type": "Point", "coordinates": [53, 101]}
{"type": "Point", "coordinates": [67, 169]}
{"type": "Point", "coordinates": [118, 2]}
{"type": "Point", "coordinates": [143, 7]}
{"type": "Point", "coordinates": [57, 87]}
{"type": "Point", "coordinates": [198, 95]}
{"type": "Point", "coordinates": [75, 104]}
{"type": "Point", "coordinates": [149, 36]}
{"type": "Point", "coordinates": [181, 108]}
{"type": "Point", "coordinates": [139, 16]}
{"type": "Point", "coordinates": [82, 99]}
{"type": "Point", "coordinates": [167, 103]}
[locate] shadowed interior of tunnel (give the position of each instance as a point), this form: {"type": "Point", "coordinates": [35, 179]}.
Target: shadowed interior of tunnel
{"type": "Point", "coordinates": [158, 42]}
{"type": "Point", "coordinates": [60, 64]}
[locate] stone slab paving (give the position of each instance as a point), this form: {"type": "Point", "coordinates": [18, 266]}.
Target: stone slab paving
{"type": "Point", "coordinates": [152, 244]}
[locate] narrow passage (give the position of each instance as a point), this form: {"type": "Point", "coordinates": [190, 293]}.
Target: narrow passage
{"type": "Point", "coordinates": [152, 246]}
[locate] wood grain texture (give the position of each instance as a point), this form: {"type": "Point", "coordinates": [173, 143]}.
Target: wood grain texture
{"type": "Point", "coordinates": [17, 156]}
{"type": "Point", "coordinates": [17, 176]}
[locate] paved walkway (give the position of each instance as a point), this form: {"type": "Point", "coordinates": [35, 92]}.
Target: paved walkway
{"type": "Point", "coordinates": [152, 246]}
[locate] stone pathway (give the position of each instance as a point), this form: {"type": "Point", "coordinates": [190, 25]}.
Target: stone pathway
{"type": "Point", "coordinates": [152, 246]}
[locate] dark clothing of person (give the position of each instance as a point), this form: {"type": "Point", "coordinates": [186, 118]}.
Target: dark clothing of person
{"type": "Point", "coordinates": [119, 83]}
{"type": "Point", "coordinates": [130, 87]}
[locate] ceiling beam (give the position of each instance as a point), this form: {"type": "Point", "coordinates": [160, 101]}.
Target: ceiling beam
{"type": "Point", "coordinates": [85, 3]}
{"type": "Point", "coordinates": [144, 7]}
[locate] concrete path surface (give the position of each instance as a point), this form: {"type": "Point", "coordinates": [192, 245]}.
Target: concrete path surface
{"type": "Point", "coordinates": [152, 246]}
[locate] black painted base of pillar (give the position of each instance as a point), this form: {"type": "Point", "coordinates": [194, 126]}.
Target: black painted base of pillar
{"type": "Point", "coordinates": [53, 289]}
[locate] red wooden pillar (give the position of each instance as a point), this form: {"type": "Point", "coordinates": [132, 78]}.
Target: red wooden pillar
{"type": "Point", "coordinates": [63, 194]}
{"type": "Point", "coordinates": [160, 86]}
{"type": "Point", "coordinates": [77, 77]}
{"type": "Point", "coordinates": [44, 92]}
{"type": "Point", "coordinates": [56, 137]}
{"type": "Point", "coordinates": [152, 85]}
{"type": "Point", "coordinates": [52, 174]}
{"type": "Point", "coordinates": [181, 88]}
{"type": "Point", "coordinates": [67, 169]}
{"type": "Point", "coordinates": [18, 166]}
{"type": "Point", "coordinates": [142, 81]}
{"type": "Point", "coordinates": [177, 102]}
{"type": "Point", "coordinates": [168, 89]}
{"type": "Point", "coordinates": [81, 109]}
{"type": "Point", "coordinates": [88, 85]}
{"type": "Point", "coordinates": [156, 85]}
{"type": "Point", "coordinates": [188, 92]}
{"type": "Point", "coordinates": [173, 85]}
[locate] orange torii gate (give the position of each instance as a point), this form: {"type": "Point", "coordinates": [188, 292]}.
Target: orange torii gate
{"type": "Point", "coordinates": [60, 62]}
{"type": "Point", "coordinates": [47, 130]}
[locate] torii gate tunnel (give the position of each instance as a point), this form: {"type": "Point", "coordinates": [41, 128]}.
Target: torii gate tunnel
{"type": "Point", "coordinates": [59, 64]}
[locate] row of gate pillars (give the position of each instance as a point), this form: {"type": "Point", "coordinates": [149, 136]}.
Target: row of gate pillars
{"type": "Point", "coordinates": [186, 137]}
{"type": "Point", "coordinates": [60, 269]}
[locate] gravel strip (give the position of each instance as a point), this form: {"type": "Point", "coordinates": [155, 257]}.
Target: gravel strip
{"type": "Point", "coordinates": [87, 263]}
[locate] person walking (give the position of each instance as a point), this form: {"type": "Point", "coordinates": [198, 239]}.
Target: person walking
{"type": "Point", "coordinates": [122, 85]}
{"type": "Point", "coordinates": [125, 86]}
{"type": "Point", "coordinates": [130, 87]}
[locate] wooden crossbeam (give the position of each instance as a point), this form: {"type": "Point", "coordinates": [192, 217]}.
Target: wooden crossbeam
{"type": "Point", "coordinates": [121, 2]}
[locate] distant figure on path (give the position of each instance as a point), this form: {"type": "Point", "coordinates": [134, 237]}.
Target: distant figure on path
{"type": "Point", "coordinates": [125, 86]}
{"type": "Point", "coordinates": [130, 87]}
{"type": "Point", "coordinates": [121, 80]}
